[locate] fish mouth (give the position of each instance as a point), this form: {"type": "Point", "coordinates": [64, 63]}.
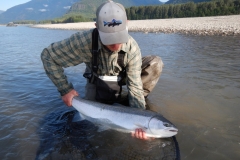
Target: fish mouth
{"type": "Point", "coordinates": [172, 130]}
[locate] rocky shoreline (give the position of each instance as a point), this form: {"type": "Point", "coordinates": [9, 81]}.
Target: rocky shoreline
{"type": "Point", "coordinates": [217, 25]}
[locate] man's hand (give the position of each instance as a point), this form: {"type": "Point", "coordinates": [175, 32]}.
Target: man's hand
{"type": "Point", "coordinates": [67, 98]}
{"type": "Point", "coordinates": [139, 133]}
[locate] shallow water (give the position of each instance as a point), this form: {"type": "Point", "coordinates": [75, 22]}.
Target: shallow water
{"type": "Point", "coordinates": [199, 91]}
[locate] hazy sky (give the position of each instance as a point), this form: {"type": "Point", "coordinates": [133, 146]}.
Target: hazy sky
{"type": "Point", "coordinates": [163, 0]}
{"type": "Point", "coordinates": [6, 4]}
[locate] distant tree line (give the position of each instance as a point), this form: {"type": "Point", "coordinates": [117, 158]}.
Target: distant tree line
{"type": "Point", "coordinates": [73, 18]}
{"type": "Point", "coordinates": [67, 19]}
{"type": "Point", "coordinates": [25, 22]}
{"type": "Point", "coordinates": [213, 8]}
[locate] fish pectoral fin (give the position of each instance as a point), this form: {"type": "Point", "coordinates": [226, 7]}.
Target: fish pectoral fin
{"type": "Point", "coordinates": [103, 124]}
{"type": "Point", "coordinates": [141, 126]}
{"type": "Point", "coordinates": [78, 117]}
{"type": "Point", "coordinates": [102, 128]}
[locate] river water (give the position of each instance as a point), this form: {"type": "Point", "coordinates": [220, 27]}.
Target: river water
{"type": "Point", "coordinates": [199, 91]}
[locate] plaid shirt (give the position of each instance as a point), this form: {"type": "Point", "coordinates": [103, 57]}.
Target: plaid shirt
{"type": "Point", "coordinates": [77, 49]}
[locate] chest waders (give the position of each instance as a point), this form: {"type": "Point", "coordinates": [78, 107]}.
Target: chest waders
{"type": "Point", "coordinates": [108, 90]}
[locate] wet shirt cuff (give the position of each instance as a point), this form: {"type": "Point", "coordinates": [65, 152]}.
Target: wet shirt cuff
{"type": "Point", "coordinates": [66, 90]}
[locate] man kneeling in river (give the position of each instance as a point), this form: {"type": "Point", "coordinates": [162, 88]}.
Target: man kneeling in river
{"type": "Point", "coordinates": [112, 58]}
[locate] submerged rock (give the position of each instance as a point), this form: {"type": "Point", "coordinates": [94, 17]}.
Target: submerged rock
{"type": "Point", "coordinates": [11, 24]}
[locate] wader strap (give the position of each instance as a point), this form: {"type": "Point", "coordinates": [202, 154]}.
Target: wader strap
{"type": "Point", "coordinates": [95, 50]}
{"type": "Point", "coordinates": [120, 59]}
{"type": "Point", "coordinates": [95, 53]}
{"type": "Point", "coordinates": [122, 74]}
{"type": "Point", "coordinates": [120, 62]}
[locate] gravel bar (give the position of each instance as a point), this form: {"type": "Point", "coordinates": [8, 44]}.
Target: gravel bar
{"type": "Point", "coordinates": [217, 25]}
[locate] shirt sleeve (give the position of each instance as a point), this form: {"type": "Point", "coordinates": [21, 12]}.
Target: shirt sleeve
{"type": "Point", "coordinates": [134, 82]}
{"type": "Point", "coordinates": [69, 52]}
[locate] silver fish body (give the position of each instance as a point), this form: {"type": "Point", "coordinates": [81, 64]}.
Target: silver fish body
{"type": "Point", "coordinates": [124, 119]}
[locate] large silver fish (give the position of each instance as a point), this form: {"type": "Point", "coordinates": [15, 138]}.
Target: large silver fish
{"type": "Point", "coordinates": [124, 119]}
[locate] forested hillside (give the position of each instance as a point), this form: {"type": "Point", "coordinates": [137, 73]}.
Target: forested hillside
{"type": "Point", "coordinates": [87, 8]}
{"type": "Point", "coordinates": [185, 1]}
{"type": "Point", "coordinates": [37, 10]}
{"type": "Point", "coordinates": [213, 8]}
{"type": "Point", "coordinates": [82, 10]}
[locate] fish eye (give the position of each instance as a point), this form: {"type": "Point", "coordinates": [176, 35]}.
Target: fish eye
{"type": "Point", "coordinates": [167, 124]}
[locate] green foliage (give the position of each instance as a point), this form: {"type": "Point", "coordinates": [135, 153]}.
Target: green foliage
{"type": "Point", "coordinates": [87, 8]}
{"type": "Point", "coordinates": [190, 9]}
{"type": "Point", "coordinates": [69, 18]}
{"type": "Point", "coordinates": [25, 22]}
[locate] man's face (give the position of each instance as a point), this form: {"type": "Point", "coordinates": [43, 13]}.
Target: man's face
{"type": "Point", "coordinates": [114, 47]}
